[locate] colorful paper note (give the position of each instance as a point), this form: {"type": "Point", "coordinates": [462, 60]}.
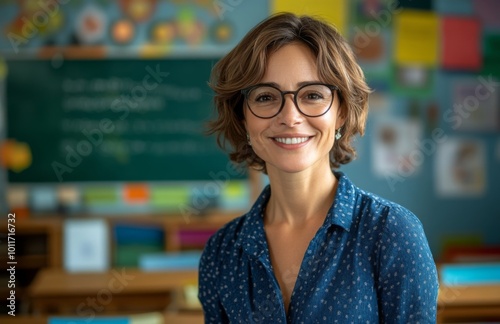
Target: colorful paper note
{"type": "Point", "coordinates": [100, 195]}
{"type": "Point", "coordinates": [461, 43]}
{"type": "Point", "coordinates": [17, 196]}
{"type": "Point", "coordinates": [170, 197]}
{"type": "Point", "coordinates": [416, 38]}
{"type": "Point", "coordinates": [43, 199]}
{"type": "Point", "coordinates": [136, 193]}
{"type": "Point", "coordinates": [333, 11]}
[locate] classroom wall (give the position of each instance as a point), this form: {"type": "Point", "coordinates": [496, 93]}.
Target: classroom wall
{"type": "Point", "coordinates": [432, 140]}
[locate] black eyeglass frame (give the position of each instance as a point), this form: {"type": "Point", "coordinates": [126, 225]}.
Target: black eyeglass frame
{"type": "Point", "coordinates": [246, 91]}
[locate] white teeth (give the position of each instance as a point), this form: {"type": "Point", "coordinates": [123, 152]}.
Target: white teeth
{"type": "Point", "coordinates": [291, 140]}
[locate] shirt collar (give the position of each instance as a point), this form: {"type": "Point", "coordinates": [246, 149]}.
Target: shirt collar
{"type": "Point", "coordinates": [252, 236]}
{"type": "Point", "coordinates": [341, 212]}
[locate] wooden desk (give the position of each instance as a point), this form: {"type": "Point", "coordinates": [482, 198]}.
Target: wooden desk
{"type": "Point", "coordinates": [468, 303]}
{"type": "Point", "coordinates": [91, 294]}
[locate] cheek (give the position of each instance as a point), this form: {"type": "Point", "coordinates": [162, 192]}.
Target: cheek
{"type": "Point", "coordinates": [328, 132]}
{"type": "Point", "coordinates": [256, 130]}
{"type": "Point", "coordinates": [255, 126]}
{"type": "Point", "coordinates": [326, 126]}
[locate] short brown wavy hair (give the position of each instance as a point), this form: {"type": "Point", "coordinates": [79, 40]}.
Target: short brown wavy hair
{"type": "Point", "coordinates": [245, 65]}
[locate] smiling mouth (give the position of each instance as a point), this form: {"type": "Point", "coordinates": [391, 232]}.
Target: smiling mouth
{"type": "Point", "coordinates": [291, 140]}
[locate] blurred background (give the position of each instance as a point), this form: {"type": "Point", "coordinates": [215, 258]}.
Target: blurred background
{"type": "Point", "coordinates": [104, 163]}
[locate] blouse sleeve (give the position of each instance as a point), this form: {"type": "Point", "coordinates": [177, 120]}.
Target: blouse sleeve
{"type": "Point", "coordinates": [207, 284]}
{"type": "Point", "coordinates": [407, 277]}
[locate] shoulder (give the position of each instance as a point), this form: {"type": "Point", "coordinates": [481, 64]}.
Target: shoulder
{"type": "Point", "coordinates": [403, 266]}
{"type": "Point", "coordinates": [358, 201]}
{"type": "Point", "coordinates": [385, 214]}
{"type": "Point", "coordinates": [399, 234]}
{"type": "Point", "coordinates": [384, 220]}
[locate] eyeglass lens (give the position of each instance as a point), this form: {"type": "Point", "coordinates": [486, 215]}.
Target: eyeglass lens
{"type": "Point", "coordinates": [312, 100]}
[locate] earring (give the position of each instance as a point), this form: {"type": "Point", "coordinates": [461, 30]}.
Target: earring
{"type": "Point", "coordinates": [248, 140]}
{"type": "Point", "coordinates": [337, 134]}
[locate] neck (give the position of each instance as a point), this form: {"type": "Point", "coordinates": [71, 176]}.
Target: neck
{"type": "Point", "coordinates": [299, 197]}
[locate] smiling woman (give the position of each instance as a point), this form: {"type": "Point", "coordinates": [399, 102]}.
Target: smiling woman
{"type": "Point", "coordinates": [314, 247]}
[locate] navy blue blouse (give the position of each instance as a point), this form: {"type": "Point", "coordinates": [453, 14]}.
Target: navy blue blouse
{"type": "Point", "coordinates": [368, 263]}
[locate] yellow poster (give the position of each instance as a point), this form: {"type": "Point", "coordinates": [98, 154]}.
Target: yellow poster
{"type": "Point", "coordinates": [333, 11]}
{"type": "Point", "coordinates": [417, 38]}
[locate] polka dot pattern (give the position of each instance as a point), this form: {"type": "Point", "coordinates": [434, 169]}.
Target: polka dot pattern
{"type": "Point", "coordinates": [368, 263]}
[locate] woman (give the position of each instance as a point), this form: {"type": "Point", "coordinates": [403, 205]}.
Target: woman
{"type": "Point", "coordinates": [314, 248]}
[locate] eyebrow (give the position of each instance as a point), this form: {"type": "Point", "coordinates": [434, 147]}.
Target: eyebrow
{"type": "Point", "coordinates": [300, 84]}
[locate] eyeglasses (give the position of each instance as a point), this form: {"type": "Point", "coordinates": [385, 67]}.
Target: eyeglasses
{"type": "Point", "coordinates": [267, 101]}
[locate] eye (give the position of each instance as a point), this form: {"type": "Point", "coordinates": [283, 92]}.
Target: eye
{"type": "Point", "coordinates": [264, 97]}
{"type": "Point", "coordinates": [313, 96]}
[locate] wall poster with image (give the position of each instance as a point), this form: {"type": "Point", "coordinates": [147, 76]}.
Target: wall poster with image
{"type": "Point", "coordinates": [460, 168]}
{"type": "Point", "coordinates": [395, 146]}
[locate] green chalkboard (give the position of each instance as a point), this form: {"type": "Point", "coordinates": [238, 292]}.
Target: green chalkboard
{"type": "Point", "coordinates": [113, 120]}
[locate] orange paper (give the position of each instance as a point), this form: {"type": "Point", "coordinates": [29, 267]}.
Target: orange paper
{"type": "Point", "coordinates": [136, 193]}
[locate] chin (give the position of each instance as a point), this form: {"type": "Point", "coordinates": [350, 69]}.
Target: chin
{"type": "Point", "coordinates": [290, 167]}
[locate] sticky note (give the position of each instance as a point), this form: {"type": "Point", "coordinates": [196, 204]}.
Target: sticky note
{"type": "Point", "coordinates": [43, 198]}
{"type": "Point", "coordinates": [461, 43]}
{"type": "Point", "coordinates": [170, 197]}
{"type": "Point", "coordinates": [100, 195]}
{"type": "Point", "coordinates": [17, 196]}
{"type": "Point", "coordinates": [333, 11]}
{"type": "Point", "coordinates": [135, 193]}
{"type": "Point", "coordinates": [416, 38]}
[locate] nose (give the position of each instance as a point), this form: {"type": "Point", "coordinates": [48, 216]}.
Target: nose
{"type": "Point", "coordinates": [290, 114]}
